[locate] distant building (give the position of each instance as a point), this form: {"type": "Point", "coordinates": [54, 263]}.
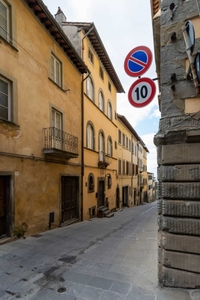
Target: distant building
{"type": "Point", "coordinates": [132, 165]}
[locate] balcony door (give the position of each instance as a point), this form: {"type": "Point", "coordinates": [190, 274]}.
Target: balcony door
{"type": "Point", "coordinates": [56, 123]}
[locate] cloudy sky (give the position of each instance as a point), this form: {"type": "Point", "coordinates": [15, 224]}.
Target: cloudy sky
{"type": "Point", "coordinates": [122, 26]}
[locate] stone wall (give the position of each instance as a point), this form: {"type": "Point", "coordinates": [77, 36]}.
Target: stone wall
{"type": "Point", "coordinates": [178, 142]}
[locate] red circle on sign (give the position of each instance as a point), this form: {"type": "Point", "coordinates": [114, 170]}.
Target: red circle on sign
{"type": "Point", "coordinates": [140, 63]}
{"type": "Point", "coordinates": [142, 92]}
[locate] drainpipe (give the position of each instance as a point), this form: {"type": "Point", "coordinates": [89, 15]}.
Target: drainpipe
{"type": "Point", "coordinates": [82, 142]}
{"type": "Point", "coordinates": [82, 124]}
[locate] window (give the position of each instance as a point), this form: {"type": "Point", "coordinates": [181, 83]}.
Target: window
{"type": "Point", "coordinates": [56, 120]}
{"type": "Point", "coordinates": [126, 142]}
{"type": "Point", "coordinates": [109, 110]}
{"type": "Point", "coordinates": [133, 148]}
{"type": "Point", "coordinates": [109, 86]}
{"type": "Point", "coordinates": [101, 73]}
{"type": "Point", "coordinates": [101, 142]}
{"type": "Point", "coordinates": [5, 99]}
{"type": "Point", "coordinates": [4, 21]}
{"type": "Point", "coordinates": [124, 167]}
{"type": "Point", "coordinates": [119, 166]}
{"type": "Point", "coordinates": [109, 181]}
{"type": "Point", "coordinates": [124, 139]}
{"type": "Point", "coordinates": [119, 137]}
{"type": "Point", "coordinates": [90, 183]}
{"type": "Point", "coordinates": [56, 123]}
{"type": "Point", "coordinates": [91, 56]}
{"type": "Point", "coordinates": [90, 88]}
{"type": "Point", "coordinates": [90, 137]}
{"type": "Point", "coordinates": [101, 101]}
{"type": "Point", "coordinates": [109, 146]}
{"type": "Point", "coordinates": [56, 70]}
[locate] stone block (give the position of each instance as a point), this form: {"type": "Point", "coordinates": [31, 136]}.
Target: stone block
{"type": "Point", "coordinates": [182, 261]}
{"type": "Point", "coordinates": [180, 153]}
{"type": "Point", "coordinates": [181, 208]}
{"type": "Point", "coordinates": [180, 225]}
{"type": "Point", "coordinates": [179, 173]}
{"type": "Point", "coordinates": [179, 278]}
{"type": "Point", "coordinates": [182, 243]}
{"type": "Point", "coordinates": [181, 190]}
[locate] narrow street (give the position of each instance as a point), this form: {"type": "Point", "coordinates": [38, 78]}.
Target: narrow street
{"type": "Point", "coordinates": [104, 258]}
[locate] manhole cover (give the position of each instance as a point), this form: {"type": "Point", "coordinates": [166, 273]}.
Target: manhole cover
{"type": "Point", "coordinates": [61, 290]}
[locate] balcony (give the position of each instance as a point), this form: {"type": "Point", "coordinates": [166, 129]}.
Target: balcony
{"type": "Point", "coordinates": [103, 161]}
{"type": "Point", "coordinates": [60, 144]}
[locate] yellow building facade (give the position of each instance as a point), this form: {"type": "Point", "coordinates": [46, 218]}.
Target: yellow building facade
{"type": "Point", "coordinates": [100, 123]}
{"type": "Point", "coordinates": [40, 120]}
{"type": "Point", "coordinates": [132, 166]}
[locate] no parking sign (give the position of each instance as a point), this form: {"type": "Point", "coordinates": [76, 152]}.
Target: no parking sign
{"type": "Point", "coordinates": [138, 61]}
{"type": "Point", "coordinates": [143, 90]}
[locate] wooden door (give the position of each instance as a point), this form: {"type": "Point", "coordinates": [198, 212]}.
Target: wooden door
{"type": "Point", "coordinates": [101, 193]}
{"type": "Point", "coordinates": [69, 201]}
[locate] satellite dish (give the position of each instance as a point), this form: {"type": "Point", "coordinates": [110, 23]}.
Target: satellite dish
{"type": "Point", "coordinates": [189, 28]}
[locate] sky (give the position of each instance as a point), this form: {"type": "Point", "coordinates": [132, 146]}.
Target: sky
{"type": "Point", "coordinates": [122, 26]}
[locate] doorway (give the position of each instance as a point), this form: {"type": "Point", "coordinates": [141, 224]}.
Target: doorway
{"type": "Point", "coordinates": [117, 198]}
{"type": "Point", "coordinates": [101, 196]}
{"type": "Point", "coordinates": [125, 196]}
{"type": "Point", "coordinates": [69, 198]}
{"type": "Point", "coordinates": [5, 206]}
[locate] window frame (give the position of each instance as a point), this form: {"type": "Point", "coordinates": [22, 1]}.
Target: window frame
{"type": "Point", "coordinates": [101, 101]}
{"type": "Point", "coordinates": [109, 146]}
{"type": "Point", "coordinates": [91, 56]}
{"type": "Point", "coordinates": [9, 106]}
{"type": "Point", "coordinates": [90, 136]}
{"type": "Point", "coordinates": [90, 88]}
{"type": "Point", "coordinates": [101, 73]}
{"type": "Point", "coordinates": [53, 70]}
{"type": "Point", "coordinates": [109, 110]}
{"type": "Point", "coordinates": [7, 30]}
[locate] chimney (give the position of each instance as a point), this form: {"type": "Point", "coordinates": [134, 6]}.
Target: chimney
{"type": "Point", "coordinates": [60, 16]}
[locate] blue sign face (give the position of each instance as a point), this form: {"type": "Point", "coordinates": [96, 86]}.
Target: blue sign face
{"type": "Point", "coordinates": [138, 61]}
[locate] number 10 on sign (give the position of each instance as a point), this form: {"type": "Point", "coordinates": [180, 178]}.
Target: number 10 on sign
{"type": "Point", "coordinates": [141, 92]}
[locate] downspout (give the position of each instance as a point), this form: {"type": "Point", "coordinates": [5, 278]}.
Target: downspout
{"type": "Point", "coordinates": [82, 138]}
{"type": "Point", "coordinates": [82, 123]}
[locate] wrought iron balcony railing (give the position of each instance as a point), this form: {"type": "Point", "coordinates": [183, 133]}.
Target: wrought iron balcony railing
{"type": "Point", "coordinates": [58, 142]}
{"type": "Point", "coordinates": [103, 161]}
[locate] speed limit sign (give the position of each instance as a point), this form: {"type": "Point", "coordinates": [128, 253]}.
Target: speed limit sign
{"type": "Point", "coordinates": [142, 92]}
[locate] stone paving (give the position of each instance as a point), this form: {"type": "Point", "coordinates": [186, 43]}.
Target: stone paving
{"type": "Point", "coordinates": [107, 259]}
{"type": "Point", "coordinates": [101, 259]}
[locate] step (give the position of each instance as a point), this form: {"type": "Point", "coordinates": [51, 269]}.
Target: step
{"type": "Point", "coordinates": [111, 214]}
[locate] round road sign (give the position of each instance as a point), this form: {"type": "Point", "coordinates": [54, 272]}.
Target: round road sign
{"type": "Point", "coordinates": [138, 61]}
{"type": "Point", "coordinates": [141, 92]}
